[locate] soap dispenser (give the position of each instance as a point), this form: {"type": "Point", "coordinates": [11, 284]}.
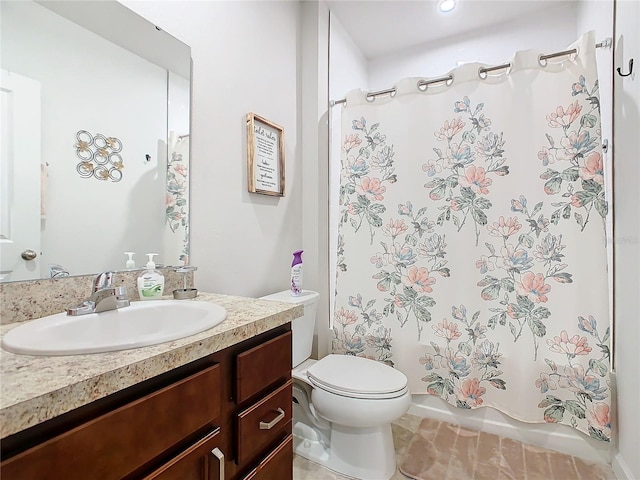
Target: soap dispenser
{"type": "Point", "coordinates": [151, 282]}
{"type": "Point", "coordinates": [131, 264]}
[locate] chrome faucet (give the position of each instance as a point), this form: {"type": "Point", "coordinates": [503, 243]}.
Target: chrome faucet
{"type": "Point", "coordinates": [104, 297]}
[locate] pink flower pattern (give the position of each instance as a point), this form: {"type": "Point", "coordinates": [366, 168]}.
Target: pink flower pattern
{"type": "Point", "coordinates": [599, 418]}
{"type": "Point", "coordinates": [447, 330]}
{"type": "Point", "coordinates": [346, 317]}
{"type": "Point", "coordinates": [471, 392]}
{"type": "Point", "coordinates": [578, 175]}
{"type": "Point", "coordinates": [476, 179]}
{"type": "Point", "coordinates": [593, 168]}
{"type": "Point", "coordinates": [532, 286]}
{"type": "Point", "coordinates": [450, 130]}
{"type": "Point", "coordinates": [585, 384]}
{"type": "Point", "coordinates": [418, 279]}
{"type": "Point", "coordinates": [351, 141]}
{"type": "Point", "coordinates": [564, 118]}
{"type": "Point", "coordinates": [504, 228]}
{"type": "Point", "coordinates": [573, 346]}
{"type": "Point", "coordinates": [394, 227]}
{"type": "Point", "coordinates": [371, 187]}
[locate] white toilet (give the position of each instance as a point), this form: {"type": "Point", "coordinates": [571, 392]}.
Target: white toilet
{"type": "Point", "coordinates": [343, 405]}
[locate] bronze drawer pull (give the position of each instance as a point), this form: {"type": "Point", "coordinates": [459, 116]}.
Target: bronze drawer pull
{"type": "Point", "coordinates": [216, 452]}
{"type": "Point", "coordinates": [268, 426]}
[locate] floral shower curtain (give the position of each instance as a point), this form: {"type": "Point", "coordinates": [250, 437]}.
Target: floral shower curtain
{"type": "Point", "coordinates": [471, 249]}
{"type": "Point", "coordinates": [176, 238]}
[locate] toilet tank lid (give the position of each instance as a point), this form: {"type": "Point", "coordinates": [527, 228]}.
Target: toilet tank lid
{"type": "Point", "coordinates": [355, 375]}
{"type": "Point", "coordinates": [305, 298]}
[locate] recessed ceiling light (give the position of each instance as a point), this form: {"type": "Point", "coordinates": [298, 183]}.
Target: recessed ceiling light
{"type": "Point", "coordinates": [447, 5]}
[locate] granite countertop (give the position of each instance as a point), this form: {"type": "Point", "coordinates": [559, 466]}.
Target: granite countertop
{"type": "Point", "coordinates": [37, 388]}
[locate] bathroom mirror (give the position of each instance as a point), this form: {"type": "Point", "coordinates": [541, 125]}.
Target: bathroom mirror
{"type": "Point", "coordinates": [95, 140]}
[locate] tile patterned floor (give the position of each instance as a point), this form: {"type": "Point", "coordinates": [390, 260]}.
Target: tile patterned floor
{"type": "Point", "coordinates": [559, 466]}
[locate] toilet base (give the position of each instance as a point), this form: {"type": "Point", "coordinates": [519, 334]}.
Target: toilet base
{"type": "Point", "coordinates": [307, 444]}
{"type": "Point", "coordinates": [363, 453]}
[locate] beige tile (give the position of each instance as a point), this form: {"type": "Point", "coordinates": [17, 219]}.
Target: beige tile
{"type": "Point", "coordinates": [592, 471]}
{"type": "Point", "coordinates": [410, 422]}
{"type": "Point", "coordinates": [429, 426]}
{"type": "Point", "coordinates": [421, 457]}
{"type": "Point", "coordinates": [442, 451]}
{"type": "Point", "coordinates": [403, 431]}
{"type": "Point", "coordinates": [488, 457]}
{"type": "Point", "coordinates": [536, 462]}
{"type": "Point", "coordinates": [443, 445]}
{"type": "Point", "coordinates": [512, 460]}
{"type": "Point", "coordinates": [562, 466]}
{"type": "Point", "coordinates": [304, 469]}
{"type": "Point", "coordinates": [463, 455]}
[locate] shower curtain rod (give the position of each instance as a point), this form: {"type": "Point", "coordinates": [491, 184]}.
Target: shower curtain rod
{"type": "Point", "coordinates": [482, 72]}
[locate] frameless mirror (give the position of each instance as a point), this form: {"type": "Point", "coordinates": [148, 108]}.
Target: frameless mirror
{"type": "Point", "coordinates": [94, 158]}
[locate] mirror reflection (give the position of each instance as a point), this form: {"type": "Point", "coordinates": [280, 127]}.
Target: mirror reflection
{"type": "Point", "coordinates": [95, 140]}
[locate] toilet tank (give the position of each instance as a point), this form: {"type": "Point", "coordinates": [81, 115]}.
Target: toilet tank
{"type": "Point", "coordinates": [302, 328]}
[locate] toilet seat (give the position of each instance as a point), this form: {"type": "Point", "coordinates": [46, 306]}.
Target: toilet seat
{"type": "Point", "coordinates": [357, 377]}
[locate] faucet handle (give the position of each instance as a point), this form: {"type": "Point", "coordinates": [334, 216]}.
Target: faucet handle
{"type": "Point", "coordinates": [184, 268]}
{"type": "Point", "coordinates": [102, 280]}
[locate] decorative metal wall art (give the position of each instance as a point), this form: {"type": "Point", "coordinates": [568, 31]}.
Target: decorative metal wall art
{"type": "Point", "coordinates": [99, 156]}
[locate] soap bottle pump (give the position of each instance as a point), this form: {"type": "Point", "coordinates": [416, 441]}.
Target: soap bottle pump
{"type": "Point", "coordinates": [151, 282]}
{"type": "Point", "coordinates": [130, 263]}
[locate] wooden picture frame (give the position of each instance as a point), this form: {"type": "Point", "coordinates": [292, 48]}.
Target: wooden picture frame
{"type": "Point", "coordinates": [265, 156]}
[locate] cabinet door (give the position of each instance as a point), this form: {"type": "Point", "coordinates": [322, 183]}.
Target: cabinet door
{"type": "Point", "coordinates": [262, 366]}
{"type": "Point", "coordinates": [201, 461]}
{"type": "Point", "coordinates": [277, 465]}
{"type": "Point", "coordinates": [264, 424]}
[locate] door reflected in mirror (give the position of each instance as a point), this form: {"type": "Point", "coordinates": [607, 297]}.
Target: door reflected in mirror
{"type": "Point", "coordinates": [95, 140]}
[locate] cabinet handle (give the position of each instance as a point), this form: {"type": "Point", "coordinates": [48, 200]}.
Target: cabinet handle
{"type": "Point", "coordinates": [268, 426]}
{"type": "Point", "coordinates": [216, 452]}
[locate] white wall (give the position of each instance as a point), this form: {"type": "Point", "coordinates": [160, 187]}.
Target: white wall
{"type": "Point", "coordinates": [347, 63]}
{"type": "Point", "coordinates": [551, 30]}
{"type": "Point", "coordinates": [245, 59]}
{"type": "Point", "coordinates": [91, 84]}
{"type": "Point", "coordinates": [626, 149]}
{"type": "Point", "coordinates": [314, 90]}
{"type": "Point", "coordinates": [348, 71]}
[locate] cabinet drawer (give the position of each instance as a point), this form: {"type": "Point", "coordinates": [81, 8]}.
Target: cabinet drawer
{"type": "Point", "coordinates": [277, 465]}
{"type": "Point", "coordinates": [118, 442]}
{"type": "Point", "coordinates": [264, 423]}
{"type": "Point", "coordinates": [201, 460]}
{"type": "Point", "coordinates": [263, 365]}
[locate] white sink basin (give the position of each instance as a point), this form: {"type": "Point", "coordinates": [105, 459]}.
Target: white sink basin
{"type": "Point", "coordinates": [143, 323]}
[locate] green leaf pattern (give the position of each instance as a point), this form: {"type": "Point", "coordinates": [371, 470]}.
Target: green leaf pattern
{"type": "Point", "coordinates": [461, 173]}
{"type": "Point", "coordinates": [467, 365]}
{"type": "Point", "coordinates": [579, 393]}
{"type": "Point", "coordinates": [575, 168]}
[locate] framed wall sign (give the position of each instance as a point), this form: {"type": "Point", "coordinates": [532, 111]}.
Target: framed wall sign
{"type": "Point", "coordinates": [265, 156]}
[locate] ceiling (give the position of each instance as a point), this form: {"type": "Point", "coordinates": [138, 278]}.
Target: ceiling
{"type": "Point", "coordinates": [379, 27]}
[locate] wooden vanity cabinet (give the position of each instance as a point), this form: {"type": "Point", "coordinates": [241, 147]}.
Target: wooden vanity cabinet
{"type": "Point", "coordinates": [224, 417]}
{"type": "Point", "coordinates": [118, 441]}
{"type": "Point", "coordinates": [263, 422]}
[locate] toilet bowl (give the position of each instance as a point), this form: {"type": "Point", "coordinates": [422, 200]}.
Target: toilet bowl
{"type": "Point", "coordinates": [343, 405]}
